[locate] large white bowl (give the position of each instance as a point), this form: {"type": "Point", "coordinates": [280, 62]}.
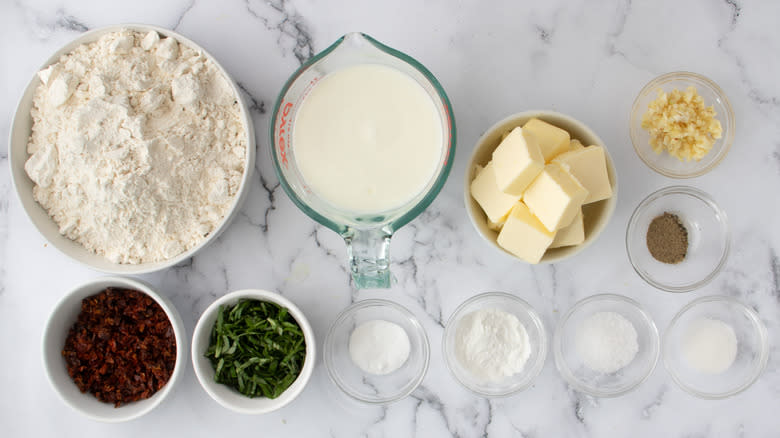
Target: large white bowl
{"type": "Point", "coordinates": [61, 320]}
{"type": "Point", "coordinates": [228, 397]}
{"type": "Point", "coordinates": [596, 214]}
{"type": "Point", "coordinates": [17, 151]}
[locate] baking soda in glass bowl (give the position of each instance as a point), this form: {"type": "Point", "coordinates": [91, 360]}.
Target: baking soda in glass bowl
{"type": "Point", "coordinates": [379, 347]}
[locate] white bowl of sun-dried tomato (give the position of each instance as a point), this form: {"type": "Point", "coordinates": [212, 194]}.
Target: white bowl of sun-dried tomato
{"type": "Point", "coordinates": [113, 349]}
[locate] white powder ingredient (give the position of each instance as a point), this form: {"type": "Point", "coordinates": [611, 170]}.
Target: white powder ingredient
{"type": "Point", "coordinates": [137, 149]}
{"type": "Point", "coordinates": [491, 344]}
{"type": "Point", "coordinates": [379, 347]}
{"type": "Point", "coordinates": [607, 342]}
{"type": "Point", "coordinates": [709, 346]}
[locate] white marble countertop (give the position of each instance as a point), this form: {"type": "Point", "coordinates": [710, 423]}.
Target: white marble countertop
{"type": "Point", "coordinates": [587, 59]}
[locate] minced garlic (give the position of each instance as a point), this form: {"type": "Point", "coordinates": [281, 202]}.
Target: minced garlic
{"type": "Point", "coordinates": [680, 123]}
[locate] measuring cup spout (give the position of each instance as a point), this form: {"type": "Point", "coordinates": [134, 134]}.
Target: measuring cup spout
{"type": "Point", "coordinates": [369, 257]}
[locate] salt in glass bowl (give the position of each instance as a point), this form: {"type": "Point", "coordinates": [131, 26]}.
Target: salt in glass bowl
{"type": "Point", "coordinates": [708, 239]}
{"type": "Point", "coordinates": [371, 388]}
{"type": "Point", "coordinates": [581, 377]}
{"type": "Point", "coordinates": [56, 331]}
{"type": "Point", "coordinates": [664, 163]}
{"type": "Point", "coordinates": [752, 348]}
{"type": "Point", "coordinates": [537, 338]}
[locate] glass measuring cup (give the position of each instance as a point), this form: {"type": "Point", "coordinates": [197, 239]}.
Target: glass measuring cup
{"type": "Point", "coordinates": [367, 235]}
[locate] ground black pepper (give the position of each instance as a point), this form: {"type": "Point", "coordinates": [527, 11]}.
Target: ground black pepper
{"type": "Point", "coordinates": [667, 239]}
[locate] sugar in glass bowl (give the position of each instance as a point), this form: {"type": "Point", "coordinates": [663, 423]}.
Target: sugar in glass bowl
{"type": "Point", "coordinates": [57, 327]}
{"type": "Point", "coordinates": [371, 388]}
{"type": "Point", "coordinates": [537, 338]}
{"type": "Point", "coordinates": [752, 352]}
{"type": "Point", "coordinates": [708, 239]}
{"type": "Point", "coordinates": [571, 365]}
{"type": "Point", "coordinates": [664, 163]}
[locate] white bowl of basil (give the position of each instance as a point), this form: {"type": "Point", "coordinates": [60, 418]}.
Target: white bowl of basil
{"type": "Point", "coordinates": [253, 351]}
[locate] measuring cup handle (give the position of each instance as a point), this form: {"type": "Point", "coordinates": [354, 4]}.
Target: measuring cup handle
{"type": "Point", "coordinates": [369, 257]}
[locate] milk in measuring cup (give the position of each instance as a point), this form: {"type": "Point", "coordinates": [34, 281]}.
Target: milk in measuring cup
{"type": "Point", "coordinates": [367, 138]}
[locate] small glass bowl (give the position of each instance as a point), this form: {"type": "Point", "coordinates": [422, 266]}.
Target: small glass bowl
{"type": "Point", "coordinates": [708, 239]}
{"type": "Point", "coordinates": [536, 337]}
{"type": "Point", "coordinates": [664, 163]}
{"type": "Point", "coordinates": [752, 348]}
{"type": "Point", "coordinates": [582, 378]}
{"type": "Point", "coordinates": [371, 388]}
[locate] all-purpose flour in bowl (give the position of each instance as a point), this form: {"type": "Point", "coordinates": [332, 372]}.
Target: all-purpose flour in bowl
{"type": "Point", "coordinates": [137, 148]}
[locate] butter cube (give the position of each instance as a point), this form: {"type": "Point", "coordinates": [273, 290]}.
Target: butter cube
{"type": "Point", "coordinates": [495, 203]}
{"type": "Point", "coordinates": [589, 166]}
{"type": "Point", "coordinates": [574, 234]}
{"type": "Point", "coordinates": [555, 197]}
{"type": "Point", "coordinates": [552, 139]}
{"type": "Point", "coordinates": [575, 145]}
{"type": "Point", "coordinates": [517, 161]}
{"type": "Point", "coordinates": [496, 226]}
{"type": "Point", "coordinates": [524, 236]}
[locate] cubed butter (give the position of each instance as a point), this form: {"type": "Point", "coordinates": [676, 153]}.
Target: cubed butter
{"type": "Point", "coordinates": [575, 145]}
{"type": "Point", "coordinates": [555, 197]}
{"type": "Point", "coordinates": [574, 234]}
{"type": "Point", "coordinates": [589, 166]}
{"type": "Point", "coordinates": [552, 139]}
{"type": "Point", "coordinates": [517, 161]}
{"type": "Point", "coordinates": [495, 203]}
{"type": "Point", "coordinates": [496, 226]}
{"type": "Point", "coordinates": [524, 236]}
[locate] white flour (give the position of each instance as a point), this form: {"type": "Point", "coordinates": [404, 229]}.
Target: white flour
{"type": "Point", "coordinates": [137, 148]}
{"type": "Point", "coordinates": [492, 344]}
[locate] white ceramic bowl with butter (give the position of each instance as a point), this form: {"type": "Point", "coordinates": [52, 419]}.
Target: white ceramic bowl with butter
{"type": "Point", "coordinates": [596, 215]}
{"type": "Point", "coordinates": [17, 151]}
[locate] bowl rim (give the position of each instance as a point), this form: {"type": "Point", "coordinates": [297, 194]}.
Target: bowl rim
{"type": "Point", "coordinates": [689, 191]}
{"type": "Point", "coordinates": [611, 203]}
{"type": "Point", "coordinates": [560, 363]}
{"type": "Point", "coordinates": [70, 299]}
{"type": "Point", "coordinates": [762, 334]}
{"type": "Point", "coordinates": [533, 369]}
{"type": "Point", "coordinates": [377, 302]}
{"type": "Point", "coordinates": [201, 330]}
{"type": "Point", "coordinates": [18, 174]}
{"type": "Point", "coordinates": [729, 120]}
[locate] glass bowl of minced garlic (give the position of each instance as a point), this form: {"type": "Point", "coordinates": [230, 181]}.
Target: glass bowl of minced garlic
{"type": "Point", "coordinates": [682, 124]}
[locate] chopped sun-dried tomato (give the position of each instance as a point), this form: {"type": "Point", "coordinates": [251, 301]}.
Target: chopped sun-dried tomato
{"type": "Point", "coordinates": [122, 347]}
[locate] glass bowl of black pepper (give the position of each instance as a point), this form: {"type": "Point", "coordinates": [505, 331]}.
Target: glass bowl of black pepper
{"type": "Point", "coordinates": [678, 239]}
